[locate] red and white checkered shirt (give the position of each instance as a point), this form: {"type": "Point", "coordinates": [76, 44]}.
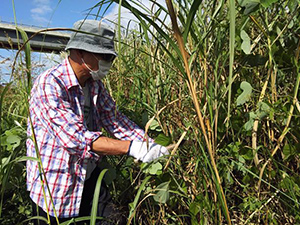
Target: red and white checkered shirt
{"type": "Point", "coordinates": [64, 143]}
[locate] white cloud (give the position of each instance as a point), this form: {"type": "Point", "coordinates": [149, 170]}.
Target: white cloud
{"type": "Point", "coordinates": [41, 2]}
{"type": "Point", "coordinates": [129, 20]}
{"type": "Point", "coordinates": [40, 19]}
{"type": "Point", "coordinates": [40, 11]}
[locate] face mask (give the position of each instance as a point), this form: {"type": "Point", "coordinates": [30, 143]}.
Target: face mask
{"type": "Point", "coordinates": [103, 68]}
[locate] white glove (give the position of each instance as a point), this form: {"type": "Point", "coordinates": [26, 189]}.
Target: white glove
{"type": "Point", "coordinates": [146, 152]}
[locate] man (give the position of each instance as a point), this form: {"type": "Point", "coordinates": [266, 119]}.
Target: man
{"type": "Point", "coordinates": [68, 107]}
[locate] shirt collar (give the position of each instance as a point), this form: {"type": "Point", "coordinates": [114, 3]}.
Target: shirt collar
{"type": "Point", "coordinates": [70, 79]}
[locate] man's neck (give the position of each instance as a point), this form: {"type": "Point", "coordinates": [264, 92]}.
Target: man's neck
{"type": "Point", "coordinates": [80, 72]}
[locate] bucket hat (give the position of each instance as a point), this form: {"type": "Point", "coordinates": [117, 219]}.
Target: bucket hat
{"type": "Point", "coordinates": [92, 36]}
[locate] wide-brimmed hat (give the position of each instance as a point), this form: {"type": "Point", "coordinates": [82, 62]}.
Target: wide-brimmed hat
{"type": "Point", "coordinates": [92, 36]}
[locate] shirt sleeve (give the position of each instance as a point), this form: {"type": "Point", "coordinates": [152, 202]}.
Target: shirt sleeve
{"type": "Point", "coordinates": [116, 123]}
{"type": "Point", "coordinates": [55, 110]}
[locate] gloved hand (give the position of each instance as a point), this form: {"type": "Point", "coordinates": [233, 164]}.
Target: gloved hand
{"type": "Point", "coordinates": [146, 152]}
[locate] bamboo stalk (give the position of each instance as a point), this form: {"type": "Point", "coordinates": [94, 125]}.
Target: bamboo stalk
{"type": "Point", "coordinates": [255, 125]}
{"type": "Point", "coordinates": [175, 147]}
{"type": "Point", "coordinates": [184, 54]}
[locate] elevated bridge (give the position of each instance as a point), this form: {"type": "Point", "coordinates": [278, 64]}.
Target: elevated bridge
{"type": "Point", "coordinates": [50, 41]}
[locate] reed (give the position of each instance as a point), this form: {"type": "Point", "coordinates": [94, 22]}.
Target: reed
{"type": "Point", "coordinates": [178, 74]}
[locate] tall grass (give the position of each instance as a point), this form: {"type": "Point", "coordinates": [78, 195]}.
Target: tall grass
{"type": "Point", "coordinates": [223, 76]}
{"type": "Point", "coordinates": [220, 58]}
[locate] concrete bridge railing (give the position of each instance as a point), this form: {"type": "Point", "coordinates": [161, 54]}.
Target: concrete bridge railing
{"type": "Point", "coordinates": [51, 41]}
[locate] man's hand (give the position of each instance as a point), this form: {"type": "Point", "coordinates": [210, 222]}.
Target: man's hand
{"type": "Point", "coordinates": [146, 152]}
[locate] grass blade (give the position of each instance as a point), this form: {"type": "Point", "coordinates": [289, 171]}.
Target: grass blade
{"type": "Point", "coordinates": [136, 199]}
{"type": "Point", "coordinates": [35, 218]}
{"type": "Point", "coordinates": [231, 53]}
{"type": "Point", "coordinates": [96, 197]}
{"type": "Point", "coordinates": [79, 219]}
{"type": "Point", "coordinates": [190, 18]}
{"type": "Point", "coordinates": [27, 57]}
{"type": "Point", "coordinates": [142, 16]}
{"type": "Point", "coordinates": [2, 96]}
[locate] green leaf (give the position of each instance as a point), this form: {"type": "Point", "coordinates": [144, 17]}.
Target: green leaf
{"type": "Point", "coordinates": [249, 125]}
{"type": "Point", "coordinates": [134, 204]}
{"type": "Point", "coordinates": [13, 140]}
{"type": "Point", "coordinates": [155, 126]}
{"type": "Point", "coordinates": [110, 175]}
{"type": "Point", "coordinates": [190, 18]}
{"type": "Point", "coordinates": [10, 140]}
{"type": "Point", "coordinates": [163, 194]}
{"type": "Point", "coordinates": [2, 141]}
{"type": "Point", "coordinates": [246, 179]}
{"type": "Point", "coordinates": [245, 96]}
{"type": "Point", "coordinates": [27, 50]}
{"type": "Point", "coordinates": [249, 6]}
{"type": "Point", "coordinates": [246, 45]}
{"type": "Point", "coordinates": [25, 158]}
{"type": "Point", "coordinates": [288, 151]}
{"type": "Point", "coordinates": [248, 155]}
{"type": "Point", "coordinates": [229, 178]}
{"type": "Point", "coordinates": [79, 219]}
{"type": "Point", "coordinates": [163, 140]}
{"type": "Point", "coordinates": [35, 218]}
{"type": "Point", "coordinates": [4, 161]}
{"type": "Point", "coordinates": [194, 208]}
{"type": "Point", "coordinates": [267, 3]}
{"type": "Point", "coordinates": [241, 159]}
{"type": "Point", "coordinates": [154, 169]}
{"type": "Point", "coordinates": [263, 110]}
{"type": "Point", "coordinates": [96, 197]}
{"type": "Point", "coordinates": [2, 95]}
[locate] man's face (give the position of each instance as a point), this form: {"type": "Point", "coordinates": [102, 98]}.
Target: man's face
{"type": "Point", "coordinates": [91, 59]}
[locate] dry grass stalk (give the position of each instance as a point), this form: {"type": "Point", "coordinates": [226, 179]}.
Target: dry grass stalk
{"type": "Point", "coordinates": [184, 54]}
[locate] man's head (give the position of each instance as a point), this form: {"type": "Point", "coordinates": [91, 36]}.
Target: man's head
{"type": "Point", "coordinates": [94, 44]}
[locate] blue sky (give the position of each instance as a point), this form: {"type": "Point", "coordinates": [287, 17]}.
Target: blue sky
{"type": "Point", "coordinates": [42, 13]}
{"type": "Point", "coordinates": [53, 13]}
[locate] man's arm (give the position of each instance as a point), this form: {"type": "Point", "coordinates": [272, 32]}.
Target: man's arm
{"type": "Point", "coordinates": [132, 140]}
{"type": "Point", "coordinates": [109, 146]}
{"type": "Point", "coordinates": [143, 151]}
{"type": "Point", "coordinates": [115, 122]}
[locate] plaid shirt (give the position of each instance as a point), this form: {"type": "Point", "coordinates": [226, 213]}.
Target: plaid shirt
{"type": "Point", "coordinates": [64, 143]}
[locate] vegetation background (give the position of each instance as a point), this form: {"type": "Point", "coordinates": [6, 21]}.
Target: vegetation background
{"type": "Point", "coordinates": [220, 80]}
